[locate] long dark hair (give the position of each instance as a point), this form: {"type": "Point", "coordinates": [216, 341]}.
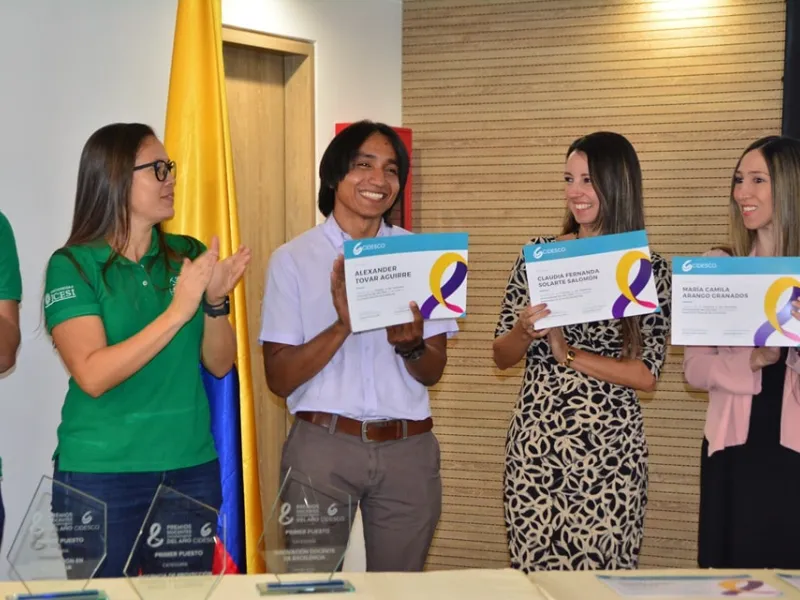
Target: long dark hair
{"type": "Point", "coordinates": [341, 152]}
{"type": "Point", "coordinates": [102, 198]}
{"type": "Point", "coordinates": [617, 180]}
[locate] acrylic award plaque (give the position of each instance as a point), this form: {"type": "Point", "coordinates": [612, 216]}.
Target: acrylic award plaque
{"type": "Point", "coordinates": [60, 544]}
{"type": "Point", "coordinates": [305, 538]}
{"type": "Point", "coordinates": [174, 553]}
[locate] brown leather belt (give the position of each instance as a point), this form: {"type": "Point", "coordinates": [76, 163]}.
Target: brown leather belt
{"type": "Point", "coordinates": [368, 431]}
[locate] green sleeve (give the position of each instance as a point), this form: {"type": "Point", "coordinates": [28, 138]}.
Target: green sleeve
{"type": "Point", "coordinates": [68, 294]}
{"type": "Point", "coordinates": [10, 278]}
{"type": "Point", "coordinates": [198, 248]}
{"type": "Point", "coordinates": [186, 245]}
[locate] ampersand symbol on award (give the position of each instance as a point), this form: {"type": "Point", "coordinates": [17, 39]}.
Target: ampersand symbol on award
{"type": "Point", "coordinates": [285, 517]}
{"type": "Point", "coordinates": [631, 291]}
{"type": "Point", "coordinates": [439, 292]}
{"type": "Point", "coordinates": [777, 318]}
{"type": "Point", "coordinates": [205, 530]}
{"type": "Point", "coordinates": [153, 539]}
{"type": "Point", "coordinates": [36, 532]}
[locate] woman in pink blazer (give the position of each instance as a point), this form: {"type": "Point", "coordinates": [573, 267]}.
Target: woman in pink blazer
{"type": "Point", "coordinates": [750, 464]}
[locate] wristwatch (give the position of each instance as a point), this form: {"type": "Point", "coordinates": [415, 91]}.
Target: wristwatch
{"type": "Point", "coordinates": [218, 310]}
{"type": "Point", "coordinates": [413, 354]}
{"type": "Point", "coordinates": [569, 358]}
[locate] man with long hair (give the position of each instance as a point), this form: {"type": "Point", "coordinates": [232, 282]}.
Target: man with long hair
{"type": "Point", "coordinates": [360, 400]}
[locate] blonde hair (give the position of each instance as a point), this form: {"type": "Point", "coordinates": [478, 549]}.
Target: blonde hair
{"type": "Point", "coordinates": [782, 155]}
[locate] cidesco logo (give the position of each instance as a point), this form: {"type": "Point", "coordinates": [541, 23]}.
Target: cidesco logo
{"type": "Point", "coordinates": [688, 265]}
{"type": "Point", "coordinates": [361, 247]}
{"type": "Point", "coordinates": [538, 252]}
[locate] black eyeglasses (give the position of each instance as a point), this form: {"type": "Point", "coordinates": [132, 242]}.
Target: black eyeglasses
{"type": "Point", "coordinates": [161, 168]}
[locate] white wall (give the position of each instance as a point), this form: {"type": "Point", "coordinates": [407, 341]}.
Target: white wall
{"type": "Point", "coordinates": [67, 68]}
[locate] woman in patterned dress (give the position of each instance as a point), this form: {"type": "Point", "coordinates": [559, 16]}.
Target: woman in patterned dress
{"type": "Point", "coordinates": [575, 482]}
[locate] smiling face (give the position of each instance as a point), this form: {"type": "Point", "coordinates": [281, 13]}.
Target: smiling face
{"type": "Point", "coordinates": [371, 185]}
{"type": "Point", "coordinates": [752, 191]}
{"type": "Point", "coordinates": [582, 200]}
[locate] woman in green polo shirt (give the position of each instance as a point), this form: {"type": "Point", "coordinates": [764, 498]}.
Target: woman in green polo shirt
{"type": "Point", "coordinates": [10, 296]}
{"type": "Point", "coordinates": [132, 312]}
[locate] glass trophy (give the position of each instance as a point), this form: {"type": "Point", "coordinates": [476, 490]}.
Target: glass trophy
{"type": "Point", "coordinates": [305, 538]}
{"type": "Point", "coordinates": [179, 550]}
{"type": "Point", "coordinates": [60, 544]}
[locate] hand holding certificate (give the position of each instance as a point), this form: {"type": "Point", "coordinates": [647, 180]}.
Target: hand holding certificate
{"type": "Point", "coordinates": [735, 301]}
{"type": "Point", "coordinates": [384, 275]}
{"type": "Point", "coordinates": [591, 279]}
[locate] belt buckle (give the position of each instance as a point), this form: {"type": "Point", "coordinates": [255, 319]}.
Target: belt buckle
{"type": "Point", "coordinates": [364, 437]}
{"type": "Point", "coordinates": [365, 424]}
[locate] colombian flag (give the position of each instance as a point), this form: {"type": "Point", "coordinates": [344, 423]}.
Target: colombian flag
{"type": "Point", "coordinates": [197, 138]}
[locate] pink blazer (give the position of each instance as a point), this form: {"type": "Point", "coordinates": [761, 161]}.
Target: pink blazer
{"type": "Point", "coordinates": [724, 372]}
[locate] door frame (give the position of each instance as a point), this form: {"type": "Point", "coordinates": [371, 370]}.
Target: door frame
{"type": "Point", "coordinates": [299, 150]}
{"type": "Point", "coordinates": [300, 210]}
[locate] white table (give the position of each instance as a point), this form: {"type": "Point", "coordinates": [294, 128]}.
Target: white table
{"type": "Point", "coordinates": [478, 584]}
{"type": "Point", "coordinates": [584, 585]}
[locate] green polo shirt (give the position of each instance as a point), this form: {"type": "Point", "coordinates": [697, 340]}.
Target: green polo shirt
{"type": "Point", "coordinates": [158, 419]}
{"type": "Point", "coordinates": [10, 278]}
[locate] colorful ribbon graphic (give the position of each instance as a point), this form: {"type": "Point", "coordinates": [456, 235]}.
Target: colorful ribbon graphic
{"type": "Point", "coordinates": [734, 587]}
{"type": "Point", "coordinates": [775, 318]}
{"type": "Point", "coordinates": [440, 292]}
{"type": "Point", "coordinates": [629, 292]}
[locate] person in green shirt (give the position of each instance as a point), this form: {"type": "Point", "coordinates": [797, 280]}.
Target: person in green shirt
{"type": "Point", "coordinates": [10, 296]}
{"type": "Point", "coordinates": [132, 312]}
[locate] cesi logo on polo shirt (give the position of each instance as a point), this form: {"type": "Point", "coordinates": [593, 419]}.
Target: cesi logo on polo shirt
{"type": "Point", "coordinates": [58, 294]}
{"type": "Point", "coordinates": [172, 283]}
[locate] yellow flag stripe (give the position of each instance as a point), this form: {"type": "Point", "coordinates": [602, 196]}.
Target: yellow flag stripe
{"type": "Point", "coordinates": [197, 138]}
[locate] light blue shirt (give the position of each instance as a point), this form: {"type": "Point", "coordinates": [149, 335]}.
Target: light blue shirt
{"type": "Point", "coordinates": [365, 379]}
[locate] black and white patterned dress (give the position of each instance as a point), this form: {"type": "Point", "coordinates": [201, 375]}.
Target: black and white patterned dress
{"type": "Point", "coordinates": [575, 482]}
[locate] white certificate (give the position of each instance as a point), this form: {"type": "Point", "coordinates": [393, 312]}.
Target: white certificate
{"type": "Point", "coordinates": [735, 301]}
{"type": "Point", "coordinates": [689, 586]}
{"type": "Point", "coordinates": [591, 279]}
{"type": "Point", "coordinates": [385, 274]}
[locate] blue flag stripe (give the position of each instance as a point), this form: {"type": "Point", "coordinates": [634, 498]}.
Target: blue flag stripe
{"type": "Point", "coordinates": [223, 398]}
